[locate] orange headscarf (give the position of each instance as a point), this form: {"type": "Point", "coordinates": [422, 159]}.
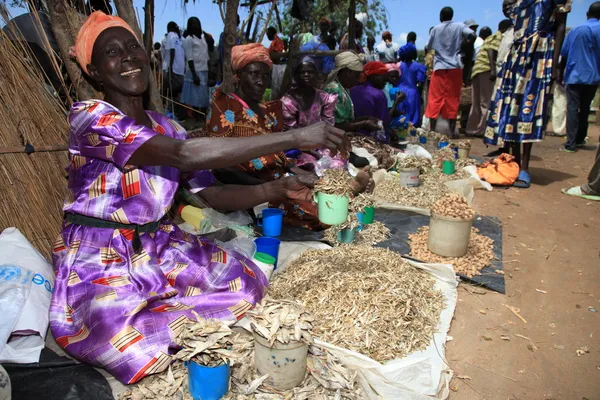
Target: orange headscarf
{"type": "Point", "coordinates": [245, 54]}
{"type": "Point", "coordinates": [375, 68]}
{"type": "Point", "coordinates": [93, 26]}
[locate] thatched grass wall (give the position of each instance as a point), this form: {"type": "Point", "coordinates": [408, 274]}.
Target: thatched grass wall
{"type": "Point", "coordinates": [32, 187]}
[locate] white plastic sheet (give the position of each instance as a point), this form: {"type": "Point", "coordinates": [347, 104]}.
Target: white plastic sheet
{"type": "Point", "coordinates": [422, 375]}
{"type": "Point", "coordinates": [30, 329]}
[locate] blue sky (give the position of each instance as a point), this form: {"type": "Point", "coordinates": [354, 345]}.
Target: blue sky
{"type": "Point", "coordinates": [404, 15]}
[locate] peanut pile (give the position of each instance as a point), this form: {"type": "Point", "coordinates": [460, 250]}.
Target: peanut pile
{"type": "Point", "coordinates": [453, 205]}
{"type": "Point", "coordinates": [480, 252]}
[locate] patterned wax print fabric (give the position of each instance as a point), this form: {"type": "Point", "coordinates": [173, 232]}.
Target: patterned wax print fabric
{"type": "Point", "coordinates": [518, 111]}
{"type": "Point", "coordinates": [117, 309]}
{"type": "Point", "coordinates": [230, 116]}
{"type": "Point", "coordinates": [322, 109]}
{"type": "Point", "coordinates": [344, 109]}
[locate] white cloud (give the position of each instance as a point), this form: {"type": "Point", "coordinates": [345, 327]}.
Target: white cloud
{"type": "Point", "coordinates": [402, 37]}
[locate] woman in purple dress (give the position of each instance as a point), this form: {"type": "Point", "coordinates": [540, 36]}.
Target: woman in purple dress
{"type": "Point", "coordinates": [126, 278]}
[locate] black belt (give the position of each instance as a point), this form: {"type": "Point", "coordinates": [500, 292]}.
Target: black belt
{"type": "Point", "coordinates": [83, 220]}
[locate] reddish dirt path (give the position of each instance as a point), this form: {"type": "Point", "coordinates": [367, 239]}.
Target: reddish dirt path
{"type": "Point", "coordinates": [551, 243]}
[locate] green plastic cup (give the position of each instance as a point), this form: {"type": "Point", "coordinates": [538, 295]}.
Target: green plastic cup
{"type": "Point", "coordinates": [333, 210]}
{"type": "Point", "coordinates": [369, 215]}
{"type": "Point", "coordinates": [345, 235]}
{"type": "Point", "coordinates": [448, 167]}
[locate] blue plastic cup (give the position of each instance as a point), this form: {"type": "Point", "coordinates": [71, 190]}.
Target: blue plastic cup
{"type": "Point", "coordinates": [271, 222]}
{"type": "Point", "coordinates": [207, 383]}
{"type": "Point", "coordinates": [360, 216]}
{"type": "Point", "coordinates": [443, 144]}
{"type": "Point", "coordinates": [268, 245]}
{"type": "Point", "coordinates": [422, 139]}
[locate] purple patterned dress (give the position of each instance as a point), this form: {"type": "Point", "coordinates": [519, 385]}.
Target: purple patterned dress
{"type": "Point", "coordinates": [115, 308]}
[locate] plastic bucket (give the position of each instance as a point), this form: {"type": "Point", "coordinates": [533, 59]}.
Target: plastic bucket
{"type": "Point", "coordinates": [333, 210]}
{"type": "Point", "coordinates": [271, 222]}
{"type": "Point", "coordinates": [207, 383]}
{"type": "Point", "coordinates": [369, 216]}
{"type": "Point", "coordinates": [346, 236]}
{"type": "Point", "coordinates": [449, 237]}
{"type": "Point", "coordinates": [422, 139]}
{"type": "Point", "coordinates": [448, 167]}
{"type": "Point", "coordinates": [409, 177]}
{"type": "Point", "coordinates": [285, 363]}
{"type": "Point", "coordinates": [463, 154]}
{"type": "Point", "coordinates": [443, 144]}
{"type": "Point", "coordinates": [265, 262]}
{"type": "Point", "coordinates": [360, 216]}
{"type": "Point", "coordinates": [268, 245]}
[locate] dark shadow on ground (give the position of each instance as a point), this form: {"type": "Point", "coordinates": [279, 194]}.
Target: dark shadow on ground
{"type": "Point", "coordinates": [545, 176]}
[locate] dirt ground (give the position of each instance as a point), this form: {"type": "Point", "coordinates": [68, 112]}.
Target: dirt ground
{"type": "Point", "coordinates": [552, 266]}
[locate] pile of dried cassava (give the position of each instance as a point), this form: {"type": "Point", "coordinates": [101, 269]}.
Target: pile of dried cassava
{"type": "Point", "coordinates": [480, 252]}
{"type": "Point", "coordinates": [370, 235]}
{"type": "Point", "coordinates": [361, 201]}
{"type": "Point", "coordinates": [464, 144]}
{"type": "Point", "coordinates": [365, 299]}
{"type": "Point", "coordinates": [281, 321]}
{"type": "Point", "coordinates": [453, 205]}
{"type": "Point", "coordinates": [170, 384]}
{"type": "Point", "coordinates": [336, 181]}
{"type": "Point", "coordinates": [413, 162]}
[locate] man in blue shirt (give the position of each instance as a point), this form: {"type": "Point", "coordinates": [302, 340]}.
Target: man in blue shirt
{"type": "Point", "coordinates": [446, 82]}
{"type": "Point", "coordinates": [580, 72]}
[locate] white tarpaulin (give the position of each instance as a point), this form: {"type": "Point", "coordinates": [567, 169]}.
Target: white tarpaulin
{"type": "Point", "coordinates": [422, 375]}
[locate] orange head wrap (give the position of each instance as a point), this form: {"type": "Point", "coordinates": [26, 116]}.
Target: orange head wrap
{"type": "Point", "coordinates": [245, 54]}
{"type": "Point", "coordinates": [375, 68]}
{"type": "Point", "coordinates": [93, 26]}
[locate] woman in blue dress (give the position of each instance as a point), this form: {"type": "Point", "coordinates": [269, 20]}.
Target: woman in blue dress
{"type": "Point", "coordinates": [412, 78]}
{"type": "Point", "coordinates": [518, 112]}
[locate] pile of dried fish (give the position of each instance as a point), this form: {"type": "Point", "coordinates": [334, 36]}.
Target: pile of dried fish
{"type": "Point", "coordinates": [361, 201]}
{"type": "Point", "coordinates": [205, 341]}
{"type": "Point", "coordinates": [432, 135]}
{"type": "Point", "coordinates": [382, 152]}
{"type": "Point", "coordinates": [327, 379]}
{"type": "Point", "coordinates": [436, 175]}
{"type": "Point", "coordinates": [464, 144]}
{"type": "Point", "coordinates": [170, 384]}
{"type": "Point", "coordinates": [443, 154]}
{"type": "Point", "coordinates": [336, 181]}
{"type": "Point", "coordinates": [413, 162]}
{"type": "Point", "coordinates": [366, 299]}
{"type": "Point", "coordinates": [465, 162]}
{"type": "Point", "coordinates": [453, 205]}
{"type": "Point", "coordinates": [370, 235]}
{"type": "Point", "coordinates": [444, 138]}
{"type": "Point", "coordinates": [480, 252]}
{"type": "Point", "coordinates": [282, 321]}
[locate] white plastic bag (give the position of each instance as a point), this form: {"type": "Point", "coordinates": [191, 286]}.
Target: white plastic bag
{"type": "Point", "coordinates": [15, 284]}
{"type": "Point", "coordinates": [30, 329]}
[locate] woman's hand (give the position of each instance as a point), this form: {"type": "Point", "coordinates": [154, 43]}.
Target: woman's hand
{"type": "Point", "coordinates": [363, 181]}
{"type": "Point", "coordinates": [370, 125]}
{"type": "Point", "coordinates": [298, 187]}
{"type": "Point", "coordinates": [196, 79]}
{"type": "Point", "coordinates": [322, 135]}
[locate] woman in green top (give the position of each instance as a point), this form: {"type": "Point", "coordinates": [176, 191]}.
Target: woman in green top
{"type": "Point", "coordinates": [347, 71]}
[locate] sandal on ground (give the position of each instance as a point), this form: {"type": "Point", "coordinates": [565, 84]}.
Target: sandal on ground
{"type": "Point", "coordinates": [523, 181]}
{"type": "Point", "coordinates": [576, 192]}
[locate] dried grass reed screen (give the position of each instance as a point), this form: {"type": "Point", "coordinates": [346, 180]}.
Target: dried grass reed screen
{"type": "Point", "coordinates": [32, 187]}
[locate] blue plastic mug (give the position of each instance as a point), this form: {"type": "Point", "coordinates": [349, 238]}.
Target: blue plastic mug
{"type": "Point", "coordinates": [443, 144]}
{"type": "Point", "coordinates": [271, 221]}
{"type": "Point", "coordinates": [268, 245]}
{"type": "Point", "coordinates": [360, 216]}
{"type": "Point", "coordinates": [422, 139]}
{"type": "Point", "coordinates": [207, 383]}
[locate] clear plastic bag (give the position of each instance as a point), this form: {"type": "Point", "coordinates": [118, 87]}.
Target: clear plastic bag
{"type": "Point", "coordinates": [15, 285]}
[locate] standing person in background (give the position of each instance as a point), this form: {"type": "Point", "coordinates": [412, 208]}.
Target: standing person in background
{"type": "Point", "coordinates": [195, 85]}
{"type": "Point", "coordinates": [446, 82]}
{"type": "Point", "coordinates": [580, 72]}
{"type": "Point", "coordinates": [483, 79]}
{"type": "Point", "coordinates": [518, 112]}
{"type": "Point", "coordinates": [370, 52]}
{"type": "Point", "coordinates": [214, 61]}
{"type": "Point", "coordinates": [277, 45]}
{"type": "Point", "coordinates": [174, 63]}
{"type": "Point", "coordinates": [387, 50]}
{"type": "Point", "coordinates": [358, 33]}
{"type": "Point", "coordinates": [411, 38]}
{"type": "Point", "coordinates": [412, 79]}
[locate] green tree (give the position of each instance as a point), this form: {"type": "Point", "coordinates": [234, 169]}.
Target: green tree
{"type": "Point", "coordinates": [377, 20]}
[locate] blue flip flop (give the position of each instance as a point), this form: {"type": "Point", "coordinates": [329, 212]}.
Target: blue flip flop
{"type": "Point", "coordinates": [523, 181]}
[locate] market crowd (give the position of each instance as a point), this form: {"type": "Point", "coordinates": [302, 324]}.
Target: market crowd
{"type": "Point", "coordinates": [141, 275]}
